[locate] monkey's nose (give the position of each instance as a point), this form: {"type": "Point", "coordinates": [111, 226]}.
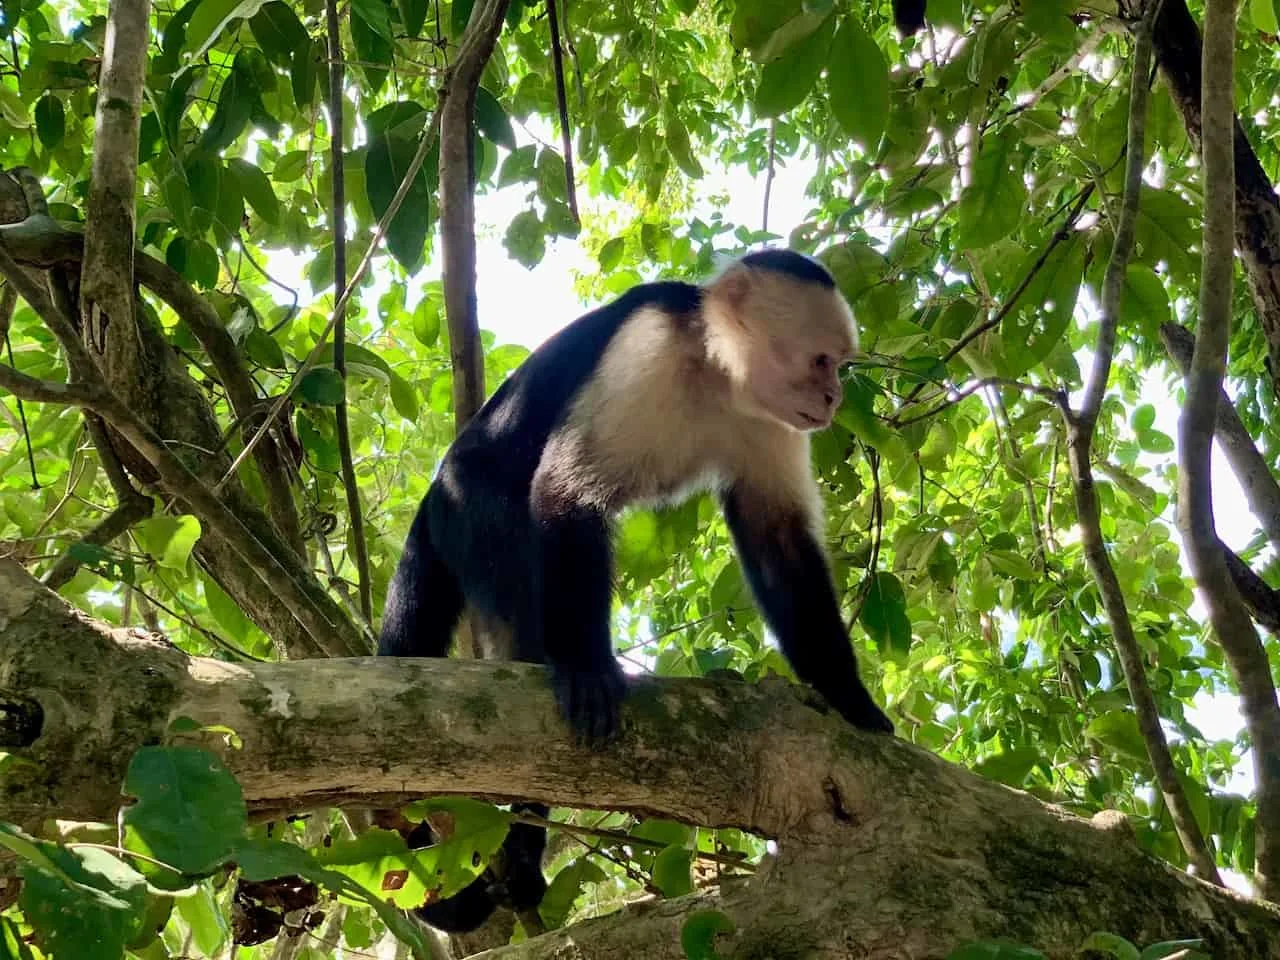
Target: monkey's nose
{"type": "Point", "coordinates": [830, 398]}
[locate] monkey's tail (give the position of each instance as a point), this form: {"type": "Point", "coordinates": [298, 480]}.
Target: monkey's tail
{"type": "Point", "coordinates": [424, 601]}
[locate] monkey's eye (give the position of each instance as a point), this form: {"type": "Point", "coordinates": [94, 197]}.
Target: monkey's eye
{"type": "Point", "coordinates": [823, 362]}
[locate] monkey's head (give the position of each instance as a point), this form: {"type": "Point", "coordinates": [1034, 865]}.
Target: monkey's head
{"type": "Point", "coordinates": [778, 326]}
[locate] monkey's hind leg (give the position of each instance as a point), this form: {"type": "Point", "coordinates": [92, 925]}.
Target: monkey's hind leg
{"type": "Point", "coordinates": [424, 600]}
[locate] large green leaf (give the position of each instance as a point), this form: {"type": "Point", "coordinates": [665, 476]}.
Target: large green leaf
{"type": "Point", "coordinates": [858, 81]}
{"type": "Point", "coordinates": [785, 82]}
{"type": "Point", "coordinates": [992, 205]}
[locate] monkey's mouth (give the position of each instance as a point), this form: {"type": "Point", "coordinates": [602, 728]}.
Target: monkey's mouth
{"type": "Point", "coordinates": [809, 420]}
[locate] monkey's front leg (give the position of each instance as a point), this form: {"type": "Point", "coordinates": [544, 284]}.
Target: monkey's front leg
{"type": "Point", "coordinates": [576, 584]}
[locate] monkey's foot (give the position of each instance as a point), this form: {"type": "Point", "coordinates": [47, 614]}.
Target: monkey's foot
{"type": "Point", "coordinates": [863, 713]}
{"type": "Point", "coordinates": [590, 697]}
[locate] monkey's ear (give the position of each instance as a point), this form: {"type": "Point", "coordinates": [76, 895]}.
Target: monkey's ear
{"type": "Point", "coordinates": [733, 285]}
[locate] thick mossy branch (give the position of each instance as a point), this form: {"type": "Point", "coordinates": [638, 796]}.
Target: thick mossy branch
{"type": "Point", "coordinates": [883, 850]}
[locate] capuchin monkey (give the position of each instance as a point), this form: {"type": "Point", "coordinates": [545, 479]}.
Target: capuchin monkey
{"type": "Point", "coordinates": [669, 390]}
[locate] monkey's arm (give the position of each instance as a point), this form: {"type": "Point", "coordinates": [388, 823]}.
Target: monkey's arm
{"type": "Point", "coordinates": [788, 574]}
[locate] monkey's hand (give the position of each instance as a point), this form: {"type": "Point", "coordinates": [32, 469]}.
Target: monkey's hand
{"type": "Point", "coordinates": [590, 697]}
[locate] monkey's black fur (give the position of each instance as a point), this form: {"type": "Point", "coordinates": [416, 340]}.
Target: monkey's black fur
{"type": "Point", "coordinates": [909, 15]}
{"type": "Point", "coordinates": [545, 568]}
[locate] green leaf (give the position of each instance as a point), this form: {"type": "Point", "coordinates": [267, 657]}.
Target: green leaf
{"type": "Point", "coordinates": [785, 82]}
{"type": "Point", "coordinates": [858, 81]}
{"type": "Point", "coordinates": [209, 930]}
{"type": "Point", "coordinates": [1118, 730]}
{"type": "Point", "coordinates": [1144, 300]}
{"type": "Point", "coordinates": [1010, 767]}
{"type": "Point", "coordinates": [493, 120]}
{"type": "Point", "coordinates": [305, 71]}
{"type": "Point", "coordinates": [672, 871]}
{"type": "Point", "coordinates": [231, 116]}
{"type": "Point", "coordinates": [1143, 418]}
{"type": "Point", "coordinates": [256, 188]}
{"type": "Point", "coordinates": [189, 813]}
{"type": "Point", "coordinates": [225, 611]}
{"type": "Point", "coordinates": [699, 931]}
{"type": "Point", "coordinates": [610, 254]}
{"type": "Point", "coordinates": [884, 617]}
{"type": "Point", "coordinates": [461, 15]}
{"type": "Point", "coordinates": [525, 239]}
{"type": "Point", "coordinates": [678, 143]}
{"type": "Point", "coordinates": [12, 109]}
{"type": "Point", "coordinates": [426, 321]}
{"type": "Point", "coordinates": [170, 540]}
{"type": "Point", "coordinates": [1154, 441]}
{"type": "Point", "coordinates": [211, 18]}
{"type": "Point", "coordinates": [1110, 945]}
{"type": "Point", "coordinates": [565, 889]}
{"type": "Point", "coordinates": [413, 14]}
{"type": "Point", "coordinates": [994, 950]}
{"type": "Point", "coordinates": [279, 32]}
{"type": "Point", "coordinates": [90, 908]}
{"type": "Point", "coordinates": [290, 167]}
{"type": "Point", "coordinates": [51, 121]}
{"type": "Point", "coordinates": [322, 386]}
{"type": "Point", "coordinates": [404, 397]}
{"type": "Point", "coordinates": [386, 163]}
{"type": "Point", "coordinates": [1265, 15]}
{"type": "Point", "coordinates": [520, 166]}
{"type": "Point", "coordinates": [991, 206]}
{"type": "Point", "coordinates": [376, 14]}
{"type": "Point", "coordinates": [375, 52]}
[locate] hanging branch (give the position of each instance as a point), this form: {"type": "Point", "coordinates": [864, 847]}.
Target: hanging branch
{"type": "Point", "coordinates": [1231, 622]}
{"type": "Point", "coordinates": [457, 206]}
{"type": "Point", "coordinates": [355, 516]}
{"type": "Point", "coordinates": [8, 301]}
{"type": "Point", "coordinates": [562, 103]}
{"type": "Point", "coordinates": [1080, 434]}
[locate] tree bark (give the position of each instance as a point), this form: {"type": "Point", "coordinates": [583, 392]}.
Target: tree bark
{"type": "Point", "coordinates": [457, 206]}
{"type": "Point", "coordinates": [1231, 622]}
{"type": "Point", "coordinates": [1257, 220]}
{"type": "Point", "coordinates": [884, 851]}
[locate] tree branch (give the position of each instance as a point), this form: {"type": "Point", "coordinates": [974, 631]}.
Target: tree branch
{"type": "Point", "coordinates": [124, 516]}
{"type": "Point", "coordinates": [1252, 470]}
{"type": "Point", "coordinates": [457, 206]}
{"type": "Point", "coordinates": [382, 731]}
{"type": "Point", "coordinates": [106, 275]}
{"type": "Point", "coordinates": [562, 107]}
{"type": "Point", "coordinates": [1257, 206]}
{"type": "Point", "coordinates": [39, 241]}
{"type": "Point", "coordinates": [355, 514]}
{"type": "Point", "coordinates": [1231, 622]}
{"type": "Point", "coordinates": [1080, 430]}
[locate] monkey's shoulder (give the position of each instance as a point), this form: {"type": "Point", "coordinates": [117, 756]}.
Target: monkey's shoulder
{"type": "Point", "coordinates": [537, 396]}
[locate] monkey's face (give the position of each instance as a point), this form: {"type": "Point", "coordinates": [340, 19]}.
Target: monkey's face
{"type": "Point", "coordinates": [795, 369]}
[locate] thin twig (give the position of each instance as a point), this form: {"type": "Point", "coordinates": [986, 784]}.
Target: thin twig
{"type": "Point", "coordinates": [562, 105]}
{"type": "Point", "coordinates": [355, 516]}
{"type": "Point", "coordinates": [1059, 235]}
{"type": "Point", "coordinates": [8, 301]}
